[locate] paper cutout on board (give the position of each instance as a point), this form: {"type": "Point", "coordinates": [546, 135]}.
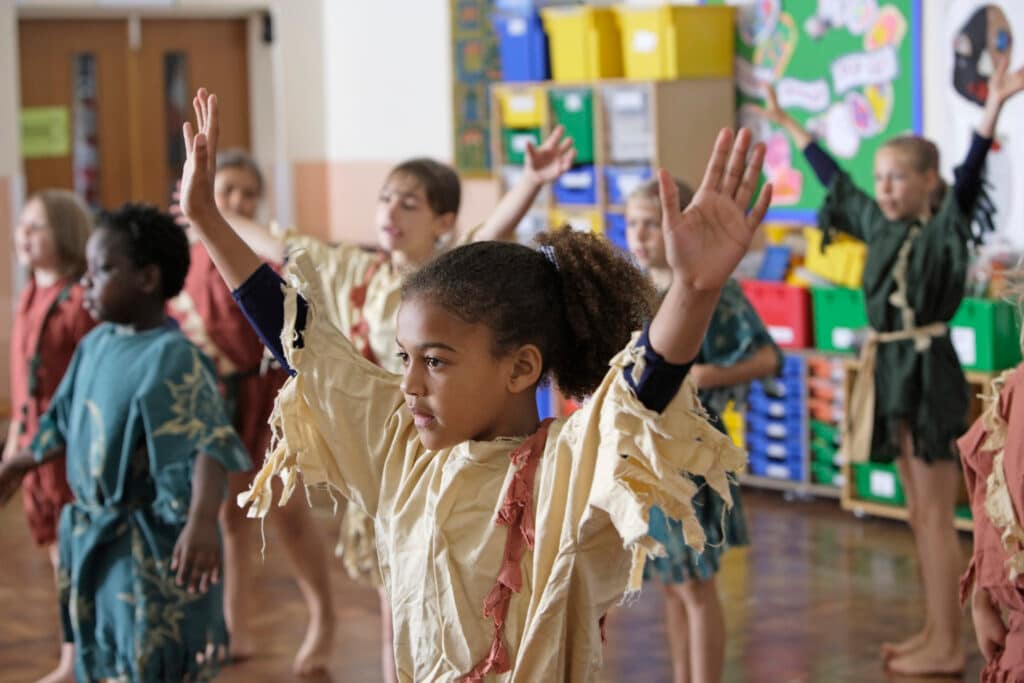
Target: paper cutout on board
{"type": "Point", "coordinates": [867, 68]}
{"type": "Point", "coordinates": [808, 95]}
{"type": "Point", "coordinates": [45, 132]}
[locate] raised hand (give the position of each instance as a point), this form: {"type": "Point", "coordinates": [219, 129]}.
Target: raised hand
{"type": "Point", "coordinates": [771, 109]}
{"type": "Point", "coordinates": [551, 159]}
{"type": "Point", "coordinates": [704, 243]}
{"type": "Point", "coordinates": [196, 192]}
{"type": "Point", "coordinates": [1003, 83]}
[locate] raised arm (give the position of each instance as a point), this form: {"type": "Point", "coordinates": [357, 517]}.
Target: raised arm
{"type": "Point", "coordinates": [542, 165]}
{"type": "Point", "coordinates": [1002, 85]}
{"type": "Point", "coordinates": [233, 257]}
{"type": "Point", "coordinates": [824, 166]}
{"type": "Point", "coordinates": [705, 242]}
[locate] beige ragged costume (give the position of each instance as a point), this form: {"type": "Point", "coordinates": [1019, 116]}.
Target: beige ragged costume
{"type": "Point", "coordinates": [500, 557]}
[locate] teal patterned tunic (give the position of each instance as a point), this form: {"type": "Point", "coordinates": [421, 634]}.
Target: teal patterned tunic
{"type": "Point", "coordinates": [134, 410]}
{"type": "Point", "coordinates": [734, 334]}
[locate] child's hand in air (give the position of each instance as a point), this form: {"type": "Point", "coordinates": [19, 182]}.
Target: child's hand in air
{"type": "Point", "coordinates": [196, 556]}
{"type": "Point", "coordinates": [196, 191]}
{"type": "Point", "coordinates": [705, 242]}
{"type": "Point", "coordinates": [1003, 83]}
{"type": "Point", "coordinates": [771, 109]}
{"type": "Point", "coordinates": [551, 159]}
{"type": "Point", "coordinates": [989, 628]}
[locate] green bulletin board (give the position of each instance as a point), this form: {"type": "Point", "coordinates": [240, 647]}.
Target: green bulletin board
{"type": "Point", "coordinates": [848, 70]}
{"type": "Point", "coordinates": [475, 65]}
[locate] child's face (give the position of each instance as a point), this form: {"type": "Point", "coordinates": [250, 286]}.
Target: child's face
{"type": "Point", "coordinates": [113, 284]}
{"type": "Point", "coordinates": [453, 384]}
{"type": "Point", "coordinates": [643, 232]}
{"type": "Point", "coordinates": [902, 192]}
{"type": "Point", "coordinates": [405, 221]}
{"type": "Point", "coordinates": [237, 191]}
{"type": "Point", "coordinates": [33, 238]}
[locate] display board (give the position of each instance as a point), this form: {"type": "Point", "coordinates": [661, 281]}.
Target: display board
{"type": "Point", "coordinates": [848, 70]}
{"type": "Point", "coordinates": [475, 66]}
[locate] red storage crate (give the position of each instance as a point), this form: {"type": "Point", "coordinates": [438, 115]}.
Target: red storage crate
{"type": "Point", "coordinates": [785, 310]}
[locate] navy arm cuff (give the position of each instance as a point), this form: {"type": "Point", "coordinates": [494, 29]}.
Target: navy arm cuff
{"type": "Point", "coordinates": [660, 381]}
{"type": "Point", "coordinates": [261, 299]}
{"type": "Point", "coordinates": [824, 166]}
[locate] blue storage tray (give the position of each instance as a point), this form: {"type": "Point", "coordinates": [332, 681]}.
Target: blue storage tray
{"type": "Point", "coordinates": [615, 230]}
{"type": "Point", "coordinates": [522, 46]}
{"type": "Point", "coordinates": [776, 449]}
{"type": "Point", "coordinates": [790, 427]}
{"type": "Point", "coordinates": [578, 185]}
{"type": "Point", "coordinates": [622, 180]}
{"type": "Point", "coordinates": [775, 263]}
{"type": "Point", "coordinates": [776, 470]}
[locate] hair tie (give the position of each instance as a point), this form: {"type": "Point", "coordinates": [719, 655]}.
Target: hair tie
{"type": "Point", "coordinates": [548, 252]}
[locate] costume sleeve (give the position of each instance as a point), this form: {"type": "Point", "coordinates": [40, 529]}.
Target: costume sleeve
{"type": "Point", "coordinates": [184, 416]}
{"type": "Point", "coordinates": [53, 425]}
{"type": "Point", "coordinates": [848, 209]}
{"type": "Point", "coordinates": [261, 298]}
{"type": "Point", "coordinates": [339, 419]}
{"type": "Point", "coordinates": [824, 166]}
{"type": "Point", "coordinates": [630, 458]}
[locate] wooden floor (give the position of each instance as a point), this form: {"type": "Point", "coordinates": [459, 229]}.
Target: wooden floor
{"type": "Point", "coordinates": [812, 600]}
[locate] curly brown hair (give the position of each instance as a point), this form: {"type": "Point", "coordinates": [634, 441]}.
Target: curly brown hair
{"type": "Point", "coordinates": [579, 305]}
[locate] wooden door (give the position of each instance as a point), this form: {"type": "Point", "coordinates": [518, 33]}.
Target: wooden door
{"type": "Point", "coordinates": [126, 133]}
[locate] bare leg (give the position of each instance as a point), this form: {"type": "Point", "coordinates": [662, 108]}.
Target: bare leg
{"type": "Point", "coordinates": [678, 634]}
{"type": "Point", "coordinates": [387, 639]}
{"type": "Point", "coordinates": [65, 671]}
{"type": "Point", "coordinates": [890, 650]}
{"type": "Point", "coordinates": [707, 629]}
{"type": "Point", "coordinates": [239, 558]}
{"type": "Point", "coordinates": [307, 553]}
{"type": "Point", "coordinates": [943, 650]}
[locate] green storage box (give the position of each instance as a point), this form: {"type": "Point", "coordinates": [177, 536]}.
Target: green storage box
{"type": "Point", "coordinates": [515, 140]}
{"type": "Point", "coordinates": [963, 512]}
{"type": "Point", "coordinates": [826, 432]}
{"type": "Point", "coordinates": [838, 314]}
{"type": "Point", "coordinates": [824, 452]}
{"type": "Point", "coordinates": [574, 109]}
{"type": "Point", "coordinates": [986, 334]}
{"type": "Point", "coordinates": [827, 474]}
{"type": "Point", "coordinates": [878, 483]}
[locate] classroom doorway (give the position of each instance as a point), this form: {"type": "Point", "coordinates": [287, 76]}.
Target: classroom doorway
{"type": "Point", "coordinates": [103, 101]}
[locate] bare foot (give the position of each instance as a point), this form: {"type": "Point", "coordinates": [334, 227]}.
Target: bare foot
{"type": "Point", "coordinates": [315, 651]}
{"type": "Point", "coordinates": [890, 650]}
{"type": "Point", "coordinates": [929, 660]}
{"type": "Point", "coordinates": [65, 671]}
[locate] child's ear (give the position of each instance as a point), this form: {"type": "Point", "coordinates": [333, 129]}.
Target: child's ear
{"type": "Point", "coordinates": [445, 225]}
{"type": "Point", "coordinates": [151, 279]}
{"type": "Point", "coordinates": [527, 366]}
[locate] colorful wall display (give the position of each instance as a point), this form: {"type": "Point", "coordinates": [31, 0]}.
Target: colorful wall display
{"type": "Point", "coordinates": [475, 66]}
{"type": "Point", "coordinates": [848, 70]}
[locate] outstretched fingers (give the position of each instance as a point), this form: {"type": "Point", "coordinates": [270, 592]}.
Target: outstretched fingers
{"type": "Point", "coordinates": [751, 176]}
{"type": "Point", "coordinates": [737, 161]}
{"type": "Point", "coordinates": [712, 181]}
{"type": "Point", "coordinates": [669, 194]}
{"type": "Point", "coordinates": [760, 208]}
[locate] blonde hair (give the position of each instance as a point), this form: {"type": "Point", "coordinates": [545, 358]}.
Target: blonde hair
{"type": "Point", "coordinates": [650, 190]}
{"type": "Point", "coordinates": [924, 157]}
{"type": "Point", "coordinates": [70, 224]}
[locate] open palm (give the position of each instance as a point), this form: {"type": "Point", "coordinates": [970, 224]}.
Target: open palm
{"type": "Point", "coordinates": [196, 191]}
{"type": "Point", "coordinates": [551, 159]}
{"type": "Point", "coordinates": [1003, 83]}
{"type": "Point", "coordinates": [704, 243]}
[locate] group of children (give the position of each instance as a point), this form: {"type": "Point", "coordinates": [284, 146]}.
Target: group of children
{"type": "Point", "coordinates": [160, 387]}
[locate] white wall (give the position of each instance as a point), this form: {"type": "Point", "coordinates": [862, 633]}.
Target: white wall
{"type": "Point", "coordinates": [387, 79]}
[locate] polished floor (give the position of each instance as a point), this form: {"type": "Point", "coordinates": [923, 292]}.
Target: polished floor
{"type": "Point", "coordinates": [812, 600]}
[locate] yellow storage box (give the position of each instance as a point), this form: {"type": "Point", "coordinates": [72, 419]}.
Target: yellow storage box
{"type": "Point", "coordinates": [583, 43]}
{"type": "Point", "coordinates": [674, 42]}
{"type": "Point", "coordinates": [521, 107]}
{"type": "Point", "coordinates": [583, 220]}
{"type": "Point", "coordinates": [842, 262]}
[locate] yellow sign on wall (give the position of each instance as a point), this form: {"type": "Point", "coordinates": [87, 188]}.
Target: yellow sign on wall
{"type": "Point", "coordinates": [45, 132]}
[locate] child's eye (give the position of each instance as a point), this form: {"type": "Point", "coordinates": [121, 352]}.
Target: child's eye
{"type": "Point", "coordinates": [433, 363]}
{"type": "Point", "coordinates": [410, 205]}
{"type": "Point", "coordinates": [403, 356]}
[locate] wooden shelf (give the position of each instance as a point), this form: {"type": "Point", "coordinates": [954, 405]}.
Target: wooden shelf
{"type": "Point", "coordinates": [866, 507]}
{"type": "Point", "coordinates": [797, 487]}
